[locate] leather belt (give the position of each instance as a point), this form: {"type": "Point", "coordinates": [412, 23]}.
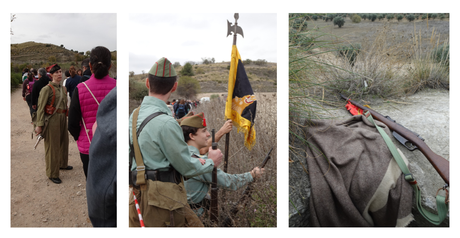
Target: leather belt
{"type": "Point", "coordinates": [61, 111]}
{"type": "Point", "coordinates": [171, 176]}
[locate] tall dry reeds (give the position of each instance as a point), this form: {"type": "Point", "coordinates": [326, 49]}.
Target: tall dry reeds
{"type": "Point", "coordinates": [378, 69]}
{"type": "Point", "coordinates": [261, 210]}
{"type": "Point", "coordinates": [430, 64]}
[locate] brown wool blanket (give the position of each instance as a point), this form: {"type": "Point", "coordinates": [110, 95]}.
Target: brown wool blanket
{"type": "Point", "coordinates": [354, 179]}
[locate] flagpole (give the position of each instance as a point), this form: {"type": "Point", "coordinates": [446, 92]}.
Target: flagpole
{"type": "Point", "coordinates": [227, 136]}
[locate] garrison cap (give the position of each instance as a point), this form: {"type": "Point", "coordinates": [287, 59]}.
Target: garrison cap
{"type": "Point", "coordinates": [163, 68]}
{"type": "Point", "coordinates": [197, 121]}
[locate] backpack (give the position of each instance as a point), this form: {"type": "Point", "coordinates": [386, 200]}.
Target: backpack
{"type": "Point", "coordinates": [181, 111]}
{"type": "Point", "coordinates": [30, 85]}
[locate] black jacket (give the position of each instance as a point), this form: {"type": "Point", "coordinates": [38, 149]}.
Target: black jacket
{"type": "Point", "coordinates": [42, 82]}
{"type": "Point", "coordinates": [85, 76]}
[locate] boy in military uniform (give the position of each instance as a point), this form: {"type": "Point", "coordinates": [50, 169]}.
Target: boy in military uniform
{"type": "Point", "coordinates": [197, 137]}
{"type": "Point", "coordinates": [164, 157]}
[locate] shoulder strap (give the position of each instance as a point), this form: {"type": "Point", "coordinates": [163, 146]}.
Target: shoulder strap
{"type": "Point", "coordinates": [146, 120]}
{"type": "Point", "coordinates": [91, 93]}
{"type": "Point", "coordinates": [54, 94]}
{"type": "Point", "coordinates": [441, 201]}
{"type": "Point", "coordinates": [140, 179]}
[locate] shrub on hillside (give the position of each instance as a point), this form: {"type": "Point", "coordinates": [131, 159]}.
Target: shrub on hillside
{"type": "Point", "coordinates": [390, 17]}
{"type": "Point", "coordinates": [350, 53]}
{"type": "Point", "coordinates": [380, 16]}
{"type": "Point", "coordinates": [314, 17]}
{"type": "Point", "coordinates": [16, 79]}
{"type": "Point", "coordinates": [356, 18]}
{"type": "Point", "coordinates": [247, 62]}
{"type": "Point", "coordinates": [187, 70]}
{"type": "Point", "coordinates": [300, 24]}
{"type": "Point", "coordinates": [372, 17]}
{"type": "Point", "coordinates": [260, 62]}
{"type": "Point", "coordinates": [188, 87]}
{"type": "Point", "coordinates": [339, 21]}
{"type": "Point", "coordinates": [399, 17]}
{"type": "Point", "coordinates": [410, 17]}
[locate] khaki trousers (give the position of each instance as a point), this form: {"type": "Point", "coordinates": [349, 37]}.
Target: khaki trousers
{"type": "Point", "coordinates": [56, 145]}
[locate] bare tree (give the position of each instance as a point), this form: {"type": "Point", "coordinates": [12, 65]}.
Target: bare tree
{"type": "Point", "coordinates": [13, 16]}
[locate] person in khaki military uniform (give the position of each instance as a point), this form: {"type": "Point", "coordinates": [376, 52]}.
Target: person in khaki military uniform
{"type": "Point", "coordinates": [163, 156]}
{"type": "Point", "coordinates": [55, 132]}
{"type": "Point", "coordinates": [198, 139]}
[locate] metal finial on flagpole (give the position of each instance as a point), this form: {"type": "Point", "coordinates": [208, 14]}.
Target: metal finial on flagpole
{"type": "Point", "coordinates": [235, 28]}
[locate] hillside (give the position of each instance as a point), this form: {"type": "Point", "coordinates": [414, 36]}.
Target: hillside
{"type": "Point", "coordinates": [37, 55]}
{"type": "Point", "coordinates": [213, 78]}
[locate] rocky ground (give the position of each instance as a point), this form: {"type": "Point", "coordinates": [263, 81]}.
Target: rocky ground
{"type": "Point", "coordinates": [35, 200]}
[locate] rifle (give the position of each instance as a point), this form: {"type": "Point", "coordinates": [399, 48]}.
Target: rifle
{"type": "Point", "coordinates": [214, 188]}
{"type": "Point", "coordinates": [247, 192]}
{"type": "Point", "coordinates": [440, 164]}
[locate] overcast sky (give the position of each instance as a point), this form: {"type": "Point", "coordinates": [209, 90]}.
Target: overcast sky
{"type": "Point", "coordinates": [80, 32]}
{"type": "Point", "coordinates": [190, 37]}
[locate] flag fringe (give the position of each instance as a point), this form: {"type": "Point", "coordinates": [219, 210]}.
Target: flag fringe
{"type": "Point", "coordinates": [244, 125]}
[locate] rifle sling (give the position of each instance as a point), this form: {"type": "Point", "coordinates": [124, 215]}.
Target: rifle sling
{"type": "Point", "coordinates": [441, 203]}
{"type": "Point", "coordinates": [140, 178]}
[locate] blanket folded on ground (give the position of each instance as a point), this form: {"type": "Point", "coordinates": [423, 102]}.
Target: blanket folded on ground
{"type": "Point", "coordinates": [354, 179]}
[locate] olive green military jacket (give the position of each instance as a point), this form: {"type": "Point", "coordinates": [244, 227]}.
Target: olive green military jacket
{"type": "Point", "coordinates": [198, 187]}
{"type": "Point", "coordinates": [46, 95]}
{"type": "Point", "coordinates": [162, 142]}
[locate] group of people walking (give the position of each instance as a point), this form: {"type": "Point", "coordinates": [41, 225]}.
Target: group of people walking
{"type": "Point", "coordinates": [53, 118]}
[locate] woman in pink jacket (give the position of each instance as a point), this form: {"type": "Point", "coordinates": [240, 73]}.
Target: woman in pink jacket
{"type": "Point", "coordinates": [86, 98]}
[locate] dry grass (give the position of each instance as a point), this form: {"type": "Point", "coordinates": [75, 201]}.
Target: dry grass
{"type": "Point", "coordinates": [390, 63]}
{"type": "Point", "coordinates": [262, 210]}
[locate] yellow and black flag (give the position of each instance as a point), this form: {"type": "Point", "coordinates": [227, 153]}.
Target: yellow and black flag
{"type": "Point", "coordinates": [241, 101]}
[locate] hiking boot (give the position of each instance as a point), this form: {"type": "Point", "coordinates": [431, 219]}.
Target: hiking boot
{"type": "Point", "coordinates": [67, 168]}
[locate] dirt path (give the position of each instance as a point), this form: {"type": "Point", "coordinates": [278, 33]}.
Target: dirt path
{"type": "Point", "coordinates": [35, 200]}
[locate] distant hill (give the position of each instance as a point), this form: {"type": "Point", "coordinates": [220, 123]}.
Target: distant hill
{"type": "Point", "coordinates": [37, 55]}
{"type": "Point", "coordinates": [34, 53]}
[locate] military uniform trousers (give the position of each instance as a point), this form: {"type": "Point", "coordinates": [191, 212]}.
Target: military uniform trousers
{"type": "Point", "coordinates": [160, 207]}
{"type": "Point", "coordinates": [56, 145]}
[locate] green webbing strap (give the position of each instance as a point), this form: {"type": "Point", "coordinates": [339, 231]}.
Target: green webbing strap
{"type": "Point", "coordinates": [440, 200]}
{"type": "Point", "coordinates": [140, 179]}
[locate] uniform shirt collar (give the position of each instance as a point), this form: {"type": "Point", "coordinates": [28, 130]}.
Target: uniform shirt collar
{"type": "Point", "coordinates": [160, 105]}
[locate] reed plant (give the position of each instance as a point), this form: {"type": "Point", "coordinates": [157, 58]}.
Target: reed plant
{"type": "Point", "coordinates": [430, 64]}
{"type": "Point", "coordinates": [261, 209]}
